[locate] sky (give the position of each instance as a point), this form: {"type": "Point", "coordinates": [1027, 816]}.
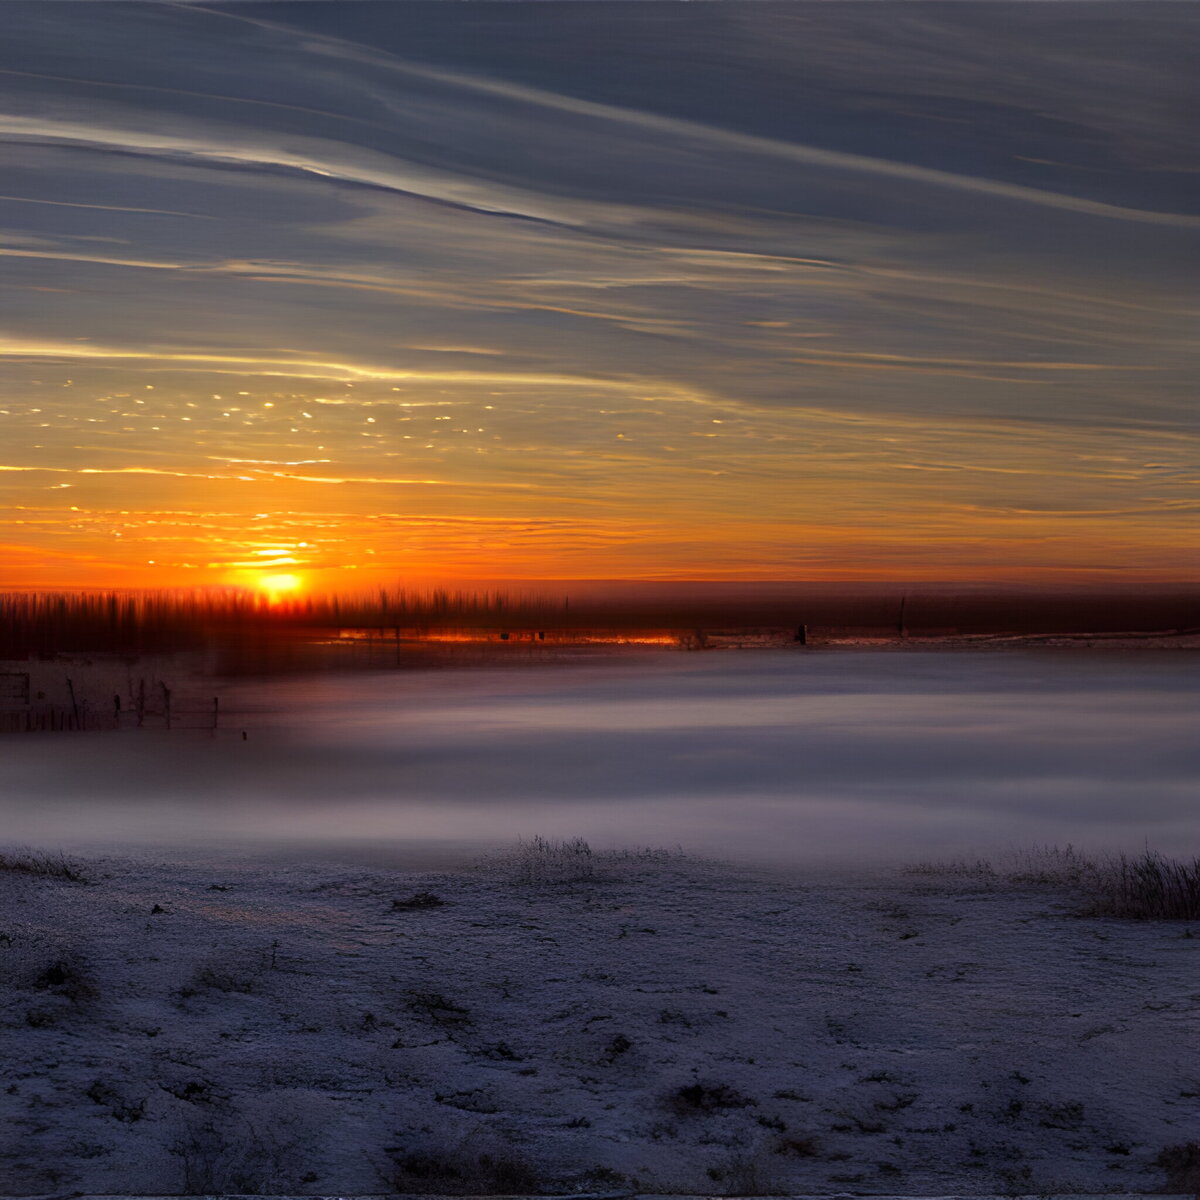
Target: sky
{"type": "Point", "coordinates": [373, 292]}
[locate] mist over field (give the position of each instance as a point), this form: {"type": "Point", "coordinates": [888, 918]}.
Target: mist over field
{"type": "Point", "coordinates": [844, 757]}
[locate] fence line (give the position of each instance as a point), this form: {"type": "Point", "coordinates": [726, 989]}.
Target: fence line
{"type": "Point", "coordinates": [80, 717]}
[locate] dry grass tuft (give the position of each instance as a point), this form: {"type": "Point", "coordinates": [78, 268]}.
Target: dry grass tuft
{"type": "Point", "coordinates": [546, 861]}
{"type": "Point", "coordinates": [707, 1098]}
{"type": "Point", "coordinates": [462, 1174]}
{"type": "Point", "coordinates": [1150, 887]}
{"type": "Point", "coordinates": [540, 860]}
{"type": "Point", "coordinates": [1054, 866]}
{"type": "Point", "coordinates": [959, 868]}
{"type": "Point", "coordinates": [1144, 887]}
{"type": "Point", "coordinates": [419, 900]}
{"type": "Point", "coordinates": [47, 864]}
{"type": "Point", "coordinates": [69, 979]}
{"type": "Point", "coordinates": [1182, 1165]}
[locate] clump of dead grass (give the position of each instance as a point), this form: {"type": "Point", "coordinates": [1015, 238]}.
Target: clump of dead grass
{"type": "Point", "coordinates": [68, 978]}
{"type": "Point", "coordinates": [1145, 887]}
{"type": "Point", "coordinates": [461, 1173]}
{"type": "Point", "coordinates": [541, 860]}
{"type": "Point", "coordinates": [547, 861]}
{"type": "Point", "coordinates": [419, 900]}
{"type": "Point", "coordinates": [1182, 1165]}
{"type": "Point", "coordinates": [45, 863]}
{"type": "Point", "coordinates": [1148, 887]}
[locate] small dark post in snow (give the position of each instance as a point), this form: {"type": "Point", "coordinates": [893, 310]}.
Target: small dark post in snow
{"type": "Point", "coordinates": [166, 691]}
{"type": "Point", "coordinates": [216, 711]}
{"type": "Point", "coordinates": [74, 704]}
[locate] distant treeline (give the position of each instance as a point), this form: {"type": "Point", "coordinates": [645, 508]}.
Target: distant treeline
{"type": "Point", "coordinates": [40, 625]}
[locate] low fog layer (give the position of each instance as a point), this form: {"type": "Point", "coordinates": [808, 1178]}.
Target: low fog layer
{"type": "Point", "coordinates": [838, 756]}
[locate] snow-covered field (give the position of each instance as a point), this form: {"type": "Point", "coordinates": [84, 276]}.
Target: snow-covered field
{"type": "Point", "coordinates": [216, 1023]}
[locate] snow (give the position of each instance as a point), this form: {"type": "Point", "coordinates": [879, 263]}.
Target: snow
{"type": "Point", "coordinates": [641, 1020]}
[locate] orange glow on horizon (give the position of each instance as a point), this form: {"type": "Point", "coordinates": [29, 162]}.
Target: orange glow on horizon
{"type": "Point", "coordinates": [33, 570]}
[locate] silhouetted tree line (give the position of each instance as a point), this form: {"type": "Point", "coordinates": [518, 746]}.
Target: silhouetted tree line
{"type": "Point", "coordinates": [43, 624]}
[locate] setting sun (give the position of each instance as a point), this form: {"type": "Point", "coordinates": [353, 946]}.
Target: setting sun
{"type": "Point", "coordinates": [279, 585]}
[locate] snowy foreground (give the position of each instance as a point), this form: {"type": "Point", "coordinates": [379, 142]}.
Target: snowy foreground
{"type": "Point", "coordinates": [222, 1025]}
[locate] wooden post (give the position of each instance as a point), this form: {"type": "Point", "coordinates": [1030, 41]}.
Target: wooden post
{"type": "Point", "coordinates": [74, 705]}
{"type": "Point", "coordinates": [166, 691]}
{"type": "Point", "coordinates": [216, 712]}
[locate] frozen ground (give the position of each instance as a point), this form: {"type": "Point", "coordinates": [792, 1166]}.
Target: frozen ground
{"type": "Point", "coordinates": [213, 1023]}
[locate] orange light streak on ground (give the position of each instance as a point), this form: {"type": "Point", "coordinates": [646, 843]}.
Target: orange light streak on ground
{"type": "Point", "coordinates": [515, 637]}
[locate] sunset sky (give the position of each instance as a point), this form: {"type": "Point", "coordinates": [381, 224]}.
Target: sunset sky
{"type": "Point", "coordinates": [464, 291]}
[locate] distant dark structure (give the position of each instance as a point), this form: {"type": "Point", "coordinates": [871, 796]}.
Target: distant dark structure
{"type": "Point", "coordinates": [801, 637]}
